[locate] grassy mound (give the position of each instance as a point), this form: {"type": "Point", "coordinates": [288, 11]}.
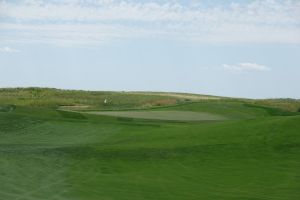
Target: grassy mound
{"type": "Point", "coordinates": [7, 108]}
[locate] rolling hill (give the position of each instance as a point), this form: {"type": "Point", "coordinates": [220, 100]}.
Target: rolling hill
{"type": "Point", "coordinates": [67, 144]}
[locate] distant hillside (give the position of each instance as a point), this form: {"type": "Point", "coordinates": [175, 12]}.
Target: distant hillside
{"type": "Point", "coordinates": [108, 100]}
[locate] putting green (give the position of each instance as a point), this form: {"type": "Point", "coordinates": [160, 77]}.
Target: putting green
{"type": "Point", "coordinates": [163, 115]}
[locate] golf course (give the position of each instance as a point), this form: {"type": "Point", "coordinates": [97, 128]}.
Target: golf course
{"type": "Point", "coordinates": [88, 145]}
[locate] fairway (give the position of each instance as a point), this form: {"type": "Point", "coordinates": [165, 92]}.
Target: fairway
{"type": "Point", "coordinates": [163, 115]}
{"type": "Point", "coordinates": [215, 149]}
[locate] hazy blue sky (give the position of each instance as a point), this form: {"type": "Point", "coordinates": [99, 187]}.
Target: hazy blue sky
{"type": "Point", "coordinates": [230, 48]}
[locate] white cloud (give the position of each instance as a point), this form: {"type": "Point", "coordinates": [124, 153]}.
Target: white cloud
{"type": "Point", "coordinates": [246, 67]}
{"type": "Point", "coordinates": [8, 50]}
{"type": "Point", "coordinates": [92, 21]}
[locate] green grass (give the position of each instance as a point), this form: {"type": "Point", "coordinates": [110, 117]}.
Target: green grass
{"type": "Point", "coordinates": [90, 100]}
{"type": "Point", "coordinates": [163, 115]}
{"type": "Point", "coordinates": [53, 154]}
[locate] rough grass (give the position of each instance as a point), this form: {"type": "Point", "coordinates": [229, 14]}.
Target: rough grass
{"type": "Point", "coordinates": [94, 100]}
{"type": "Point", "coordinates": [89, 100]}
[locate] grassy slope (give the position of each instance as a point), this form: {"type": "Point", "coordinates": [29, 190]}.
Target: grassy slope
{"type": "Point", "coordinates": [49, 154]}
{"type": "Point", "coordinates": [89, 100]}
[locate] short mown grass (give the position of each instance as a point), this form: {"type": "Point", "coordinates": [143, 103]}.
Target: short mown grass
{"type": "Point", "coordinates": [47, 153]}
{"type": "Point", "coordinates": [163, 115]}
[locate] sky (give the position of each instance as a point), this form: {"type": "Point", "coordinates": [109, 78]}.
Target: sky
{"type": "Point", "coordinates": [235, 48]}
